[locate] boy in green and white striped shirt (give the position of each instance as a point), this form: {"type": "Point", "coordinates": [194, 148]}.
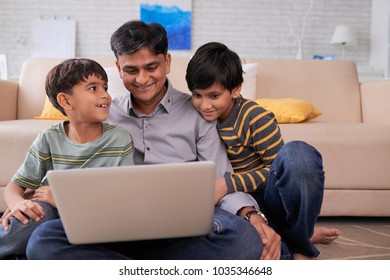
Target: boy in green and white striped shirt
{"type": "Point", "coordinates": [78, 89]}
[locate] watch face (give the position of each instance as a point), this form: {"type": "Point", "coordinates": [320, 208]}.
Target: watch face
{"type": "Point", "coordinates": [250, 213]}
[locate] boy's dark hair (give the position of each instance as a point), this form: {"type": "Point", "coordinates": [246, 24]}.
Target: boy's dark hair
{"type": "Point", "coordinates": [67, 74]}
{"type": "Point", "coordinates": [133, 35]}
{"type": "Point", "coordinates": [214, 62]}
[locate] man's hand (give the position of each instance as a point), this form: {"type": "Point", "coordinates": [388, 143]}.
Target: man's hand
{"type": "Point", "coordinates": [271, 240]}
{"type": "Point", "coordinates": [44, 194]}
{"type": "Point", "coordinates": [220, 189]}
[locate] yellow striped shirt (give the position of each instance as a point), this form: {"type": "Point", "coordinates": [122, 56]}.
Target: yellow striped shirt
{"type": "Point", "coordinates": [253, 139]}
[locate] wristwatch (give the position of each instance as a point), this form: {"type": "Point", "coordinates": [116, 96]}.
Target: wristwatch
{"type": "Point", "coordinates": [258, 212]}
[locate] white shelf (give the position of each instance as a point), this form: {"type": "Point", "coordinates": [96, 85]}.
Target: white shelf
{"type": "Point", "coordinates": [387, 69]}
{"type": "Point", "coordinates": [387, 66]}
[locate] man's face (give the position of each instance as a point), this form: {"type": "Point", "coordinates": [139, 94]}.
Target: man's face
{"type": "Point", "coordinates": [144, 75]}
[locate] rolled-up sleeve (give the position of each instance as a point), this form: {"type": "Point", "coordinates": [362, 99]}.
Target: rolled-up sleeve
{"type": "Point", "coordinates": [233, 202]}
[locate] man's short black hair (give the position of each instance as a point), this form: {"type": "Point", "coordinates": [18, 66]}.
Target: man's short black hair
{"type": "Point", "coordinates": [214, 62]}
{"type": "Point", "coordinates": [134, 35]}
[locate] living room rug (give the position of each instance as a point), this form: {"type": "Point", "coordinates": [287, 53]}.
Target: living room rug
{"type": "Point", "coordinates": [362, 238]}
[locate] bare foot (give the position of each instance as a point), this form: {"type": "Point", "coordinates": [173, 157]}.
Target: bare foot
{"type": "Point", "coordinates": [324, 235]}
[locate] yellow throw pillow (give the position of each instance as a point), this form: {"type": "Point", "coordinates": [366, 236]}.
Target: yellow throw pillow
{"type": "Point", "coordinates": [289, 110]}
{"type": "Point", "coordinates": [50, 113]}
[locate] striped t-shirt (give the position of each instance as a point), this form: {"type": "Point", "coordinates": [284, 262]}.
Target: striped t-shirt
{"type": "Point", "coordinates": [52, 150]}
{"type": "Point", "coordinates": [253, 139]}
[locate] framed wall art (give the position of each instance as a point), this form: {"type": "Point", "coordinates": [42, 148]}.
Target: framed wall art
{"type": "Point", "coordinates": [175, 16]}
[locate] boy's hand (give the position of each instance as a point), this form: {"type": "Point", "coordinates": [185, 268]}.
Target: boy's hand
{"type": "Point", "coordinates": [24, 209]}
{"type": "Point", "coordinates": [44, 194]}
{"type": "Point", "coordinates": [220, 189]}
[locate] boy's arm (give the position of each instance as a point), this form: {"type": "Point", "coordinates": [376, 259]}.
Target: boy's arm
{"type": "Point", "coordinates": [19, 206]}
{"type": "Point", "coordinates": [265, 139]}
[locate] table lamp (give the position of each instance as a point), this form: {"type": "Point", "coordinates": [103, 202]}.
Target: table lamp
{"type": "Point", "coordinates": [345, 36]}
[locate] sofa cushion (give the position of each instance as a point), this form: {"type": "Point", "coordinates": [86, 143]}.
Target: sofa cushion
{"type": "Point", "coordinates": [50, 113]}
{"type": "Point", "coordinates": [16, 138]}
{"type": "Point", "coordinates": [354, 154]}
{"type": "Point", "coordinates": [289, 110]}
{"type": "Point", "coordinates": [330, 85]}
{"type": "Point", "coordinates": [248, 89]}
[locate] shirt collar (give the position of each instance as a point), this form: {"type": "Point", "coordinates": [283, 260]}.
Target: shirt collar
{"type": "Point", "coordinates": [165, 103]}
{"type": "Point", "coordinates": [233, 115]}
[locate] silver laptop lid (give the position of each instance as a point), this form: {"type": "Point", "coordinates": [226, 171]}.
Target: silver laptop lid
{"type": "Point", "coordinates": [113, 204]}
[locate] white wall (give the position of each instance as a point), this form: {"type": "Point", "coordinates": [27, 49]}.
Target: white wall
{"type": "Point", "coordinates": [253, 28]}
{"type": "Point", "coordinates": [380, 34]}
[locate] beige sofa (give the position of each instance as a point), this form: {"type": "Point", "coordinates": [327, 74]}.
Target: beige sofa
{"type": "Point", "coordinates": [353, 133]}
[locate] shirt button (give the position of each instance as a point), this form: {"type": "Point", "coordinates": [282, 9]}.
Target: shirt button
{"type": "Point", "coordinates": [147, 148]}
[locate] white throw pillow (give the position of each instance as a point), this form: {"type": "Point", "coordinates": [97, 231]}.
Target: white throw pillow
{"type": "Point", "coordinates": [248, 89]}
{"type": "Point", "coordinates": [115, 84]}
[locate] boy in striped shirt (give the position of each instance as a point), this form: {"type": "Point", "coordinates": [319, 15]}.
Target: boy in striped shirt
{"type": "Point", "coordinates": [286, 180]}
{"type": "Point", "coordinates": [78, 89]}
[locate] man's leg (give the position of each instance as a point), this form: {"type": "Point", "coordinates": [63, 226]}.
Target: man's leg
{"type": "Point", "coordinates": [232, 238]}
{"type": "Point", "coordinates": [293, 195]}
{"type": "Point", "coordinates": [13, 242]}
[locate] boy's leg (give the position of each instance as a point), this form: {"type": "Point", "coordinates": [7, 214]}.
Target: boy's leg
{"type": "Point", "coordinates": [49, 242]}
{"type": "Point", "coordinates": [13, 242]}
{"type": "Point", "coordinates": [232, 238]}
{"type": "Point", "coordinates": [324, 235]}
{"type": "Point", "coordinates": [293, 195]}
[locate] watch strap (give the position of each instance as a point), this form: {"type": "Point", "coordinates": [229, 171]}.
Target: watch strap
{"type": "Point", "coordinates": [258, 212]}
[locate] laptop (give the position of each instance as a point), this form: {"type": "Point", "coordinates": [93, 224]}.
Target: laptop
{"type": "Point", "coordinates": [140, 202]}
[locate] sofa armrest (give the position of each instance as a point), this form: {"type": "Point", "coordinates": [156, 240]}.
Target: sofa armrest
{"type": "Point", "coordinates": [375, 102]}
{"type": "Point", "coordinates": [9, 98]}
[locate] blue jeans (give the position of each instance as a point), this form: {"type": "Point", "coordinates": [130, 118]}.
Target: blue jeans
{"type": "Point", "coordinates": [232, 238]}
{"type": "Point", "coordinates": [13, 242]}
{"type": "Point", "coordinates": [292, 197]}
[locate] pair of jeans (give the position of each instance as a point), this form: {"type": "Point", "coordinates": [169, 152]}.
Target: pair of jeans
{"type": "Point", "coordinates": [13, 242]}
{"type": "Point", "coordinates": [293, 194]}
{"type": "Point", "coordinates": [231, 238]}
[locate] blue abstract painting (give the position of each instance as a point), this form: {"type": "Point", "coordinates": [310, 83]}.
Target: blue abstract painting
{"type": "Point", "coordinates": [175, 16]}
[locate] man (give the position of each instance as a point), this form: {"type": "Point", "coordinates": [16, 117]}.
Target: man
{"type": "Point", "coordinates": [165, 127]}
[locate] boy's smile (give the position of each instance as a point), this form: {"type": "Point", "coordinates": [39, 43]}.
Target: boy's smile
{"type": "Point", "coordinates": [215, 102]}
